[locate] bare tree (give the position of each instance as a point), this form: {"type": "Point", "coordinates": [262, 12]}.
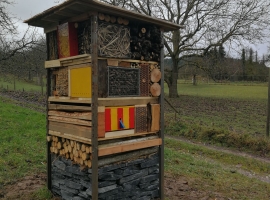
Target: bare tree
{"type": "Point", "coordinates": [209, 24]}
{"type": "Point", "coordinates": [11, 41]}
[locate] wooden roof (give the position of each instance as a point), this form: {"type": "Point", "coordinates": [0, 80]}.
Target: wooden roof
{"type": "Point", "coordinates": [78, 10]}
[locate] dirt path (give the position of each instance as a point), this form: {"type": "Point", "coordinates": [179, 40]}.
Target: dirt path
{"type": "Point", "coordinates": [222, 149]}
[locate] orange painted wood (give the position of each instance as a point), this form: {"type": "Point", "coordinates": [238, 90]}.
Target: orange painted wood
{"type": "Point", "coordinates": [101, 124]}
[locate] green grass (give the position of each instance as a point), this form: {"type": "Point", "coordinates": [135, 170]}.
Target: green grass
{"type": "Point", "coordinates": [19, 85]}
{"type": "Point", "coordinates": [212, 176]}
{"type": "Point", "coordinates": [22, 144]}
{"type": "Point", "coordinates": [251, 92]}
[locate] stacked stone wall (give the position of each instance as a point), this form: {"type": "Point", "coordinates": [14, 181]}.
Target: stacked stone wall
{"type": "Point", "coordinates": [136, 179]}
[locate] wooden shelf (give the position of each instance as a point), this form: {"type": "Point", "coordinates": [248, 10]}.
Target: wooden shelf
{"type": "Point", "coordinates": [117, 101]}
{"type": "Point", "coordinates": [128, 60]}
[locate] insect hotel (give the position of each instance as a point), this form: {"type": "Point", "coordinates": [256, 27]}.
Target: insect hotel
{"type": "Point", "coordinates": [105, 101]}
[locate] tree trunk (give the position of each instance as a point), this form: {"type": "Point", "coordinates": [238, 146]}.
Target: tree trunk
{"type": "Point", "coordinates": [194, 80]}
{"type": "Point", "coordinates": [174, 77]}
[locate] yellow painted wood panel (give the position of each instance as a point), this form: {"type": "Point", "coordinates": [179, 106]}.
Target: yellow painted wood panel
{"type": "Point", "coordinates": [80, 82]}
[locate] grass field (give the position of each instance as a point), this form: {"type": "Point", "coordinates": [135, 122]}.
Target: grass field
{"type": "Point", "coordinates": [238, 91]}
{"type": "Point", "coordinates": [22, 152]}
{"type": "Point", "coordinates": [22, 144]}
{"type": "Point", "coordinates": [19, 85]}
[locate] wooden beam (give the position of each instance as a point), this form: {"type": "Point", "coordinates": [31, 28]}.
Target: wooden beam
{"type": "Point", "coordinates": [127, 135]}
{"type": "Point", "coordinates": [52, 63]}
{"type": "Point", "coordinates": [74, 115]}
{"type": "Point", "coordinates": [70, 120]}
{"type": "Point", "coordinates": [119, 133]}
{"type": "Point", "coordinates": [68, 107]}
{"type": "Point", "coordinates": [155, 112]}
{"type": "Point", "coordinates": [70, 100]}
{"type": "Point", "coordinates": [71, 137]}
{"type": "Point", "coordinates": [76, 130]}
{"type": "Point", "coordinates": [127, 101]}
{"type": "Point", "coordinates": [128, 147]}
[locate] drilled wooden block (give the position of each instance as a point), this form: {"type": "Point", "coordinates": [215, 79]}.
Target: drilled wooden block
{"type": "Point", "coordinates": [144, 80]}
{"type": "Point", "coordinates": [141, 119]}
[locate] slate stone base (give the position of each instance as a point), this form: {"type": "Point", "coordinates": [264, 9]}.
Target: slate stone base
{"type": "Point", "coordinates": [137, 179]}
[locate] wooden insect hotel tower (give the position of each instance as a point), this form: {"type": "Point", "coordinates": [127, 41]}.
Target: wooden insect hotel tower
{"type": "Point", "coordinates": [105, 80]}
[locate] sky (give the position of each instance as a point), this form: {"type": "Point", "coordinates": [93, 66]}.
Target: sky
{"type": "Point", "coordinates": [25, 9]}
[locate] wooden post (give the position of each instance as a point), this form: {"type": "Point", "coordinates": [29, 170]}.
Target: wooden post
{"type": "Point", "coordinates": [268, 107]}
{"type": "Point", "coordinates": [94, 57]}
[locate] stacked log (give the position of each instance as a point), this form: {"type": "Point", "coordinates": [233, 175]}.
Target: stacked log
{"type": "Point", "coordinates": [146, 43]}
{"type": "Point", "coordinates": [78, 152]}
{"type": "Point", "coordinates": [113, 19]}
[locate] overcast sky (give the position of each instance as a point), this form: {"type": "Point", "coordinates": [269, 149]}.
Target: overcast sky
{"type": "Point", "coordinates": [25, 9]}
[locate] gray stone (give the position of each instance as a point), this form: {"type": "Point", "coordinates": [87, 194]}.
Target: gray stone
{"type": "Point", "coordinates": [105, 183]}
{"type": "Point", "coordinates": [106, 189]}
{"type": "Point", "coordinates": [149, 178]}
{"type": "Point", "coordinates": [145, 198]}
{"type": "Point", "coordinates": [66, 195]}
{"type": "Point", "coordinates": [56, 191]}
{"type": "Point", "coordinates": [75, 169]}
{"type": "Point", "coordinates": [57, 182]}
{"type": "Point", "coordinates": [59, 173]}
{"type": "Point", "coordinates": [113, 197]}
{"type": "Point", "coordinates": [109, 176]}
{"type": "Point", "coordinates": [110, 168]}
{"type": "Point", "coordinates": [60, 165]}
{"type": "Point", "coordinates": [73, 185]}
{"type": "Point", "coordinates": [109, 193]}
{"type": "Point", "coordinates": [89, 171]}
{"type": "Point", "coordinates": [118, 171]}
{"type": "Point", "coordinates": [81, 177]}
{"type": "Point", "coordinates": [83, 194]}
{"type": "Point", "coordinates": [86, 184]}
{"type": "Point", "coordinates": [78, 198]}
{"type": "Point", "coordinates": [70, 190]}
{"type": "Point", "coordinates": [68, 162]}
{"type": "Point", "coordinates": [153, 170]}
{"type": "Point", "coordinates": [128, 172]}
{"type": "Point", "coordinates": [155, 194]}
{"type": "Point", "coordinates": [135, 162]}
{"type": "Point", "coordinates": [149, 186]}
{"type": "Point", "coordinates": [89, 191]}
{"type": "Point", "coordinates": [150, 163]}
{"type": "Point", "coordinates": [134, 176]}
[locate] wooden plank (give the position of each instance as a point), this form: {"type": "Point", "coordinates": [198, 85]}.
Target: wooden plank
{"type": "Point", "coordinates": [76, 57]}
{"type": "Point", "coordinates": [78, 66]}
{"type": "Point", "coordinates": [119, 133]}
{"type": "Point", "coordinates": [52, 63]}
{"type": "Point", "coordinates": [111, 62]}
{"type": "Point", "coordinates": [124, 64]}
{"type": "Point", "coordinates": [74, 115]}
{"type": "Point", "coordinates": [101, 124]}
{"type": "Point", "coordinates": [127, 101]}
{"type": "Point", "coordinates": [69, 100]}
{"type": "Point", "coordinates": [76, 130]}
{"type": "Point", "coordinates": [130, 60]}
{"type": "Point", "coordinates": [128, 135]}
{"type": "Point", "coordinates": [68, 107]}
{"type": "Point", "coordinates": [124, 101]}
{"type": "Point", "coordinates": [70, 137]}
{"type": "Point", "coordinates": [86, 62]}
{"type": "Point", "coordinates": [155, 112]}
{"type": "Point", "coordinates": [70, 120]}
{"type": "Point", "coordinates": [128, 147]}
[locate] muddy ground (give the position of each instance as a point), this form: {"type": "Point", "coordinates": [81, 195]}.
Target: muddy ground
{"type": "Point", "coordinates": [175, 188]}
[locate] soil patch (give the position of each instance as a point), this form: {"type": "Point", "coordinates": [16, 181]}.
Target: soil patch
{"type": "Point", "coordinates": [22, 188]}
